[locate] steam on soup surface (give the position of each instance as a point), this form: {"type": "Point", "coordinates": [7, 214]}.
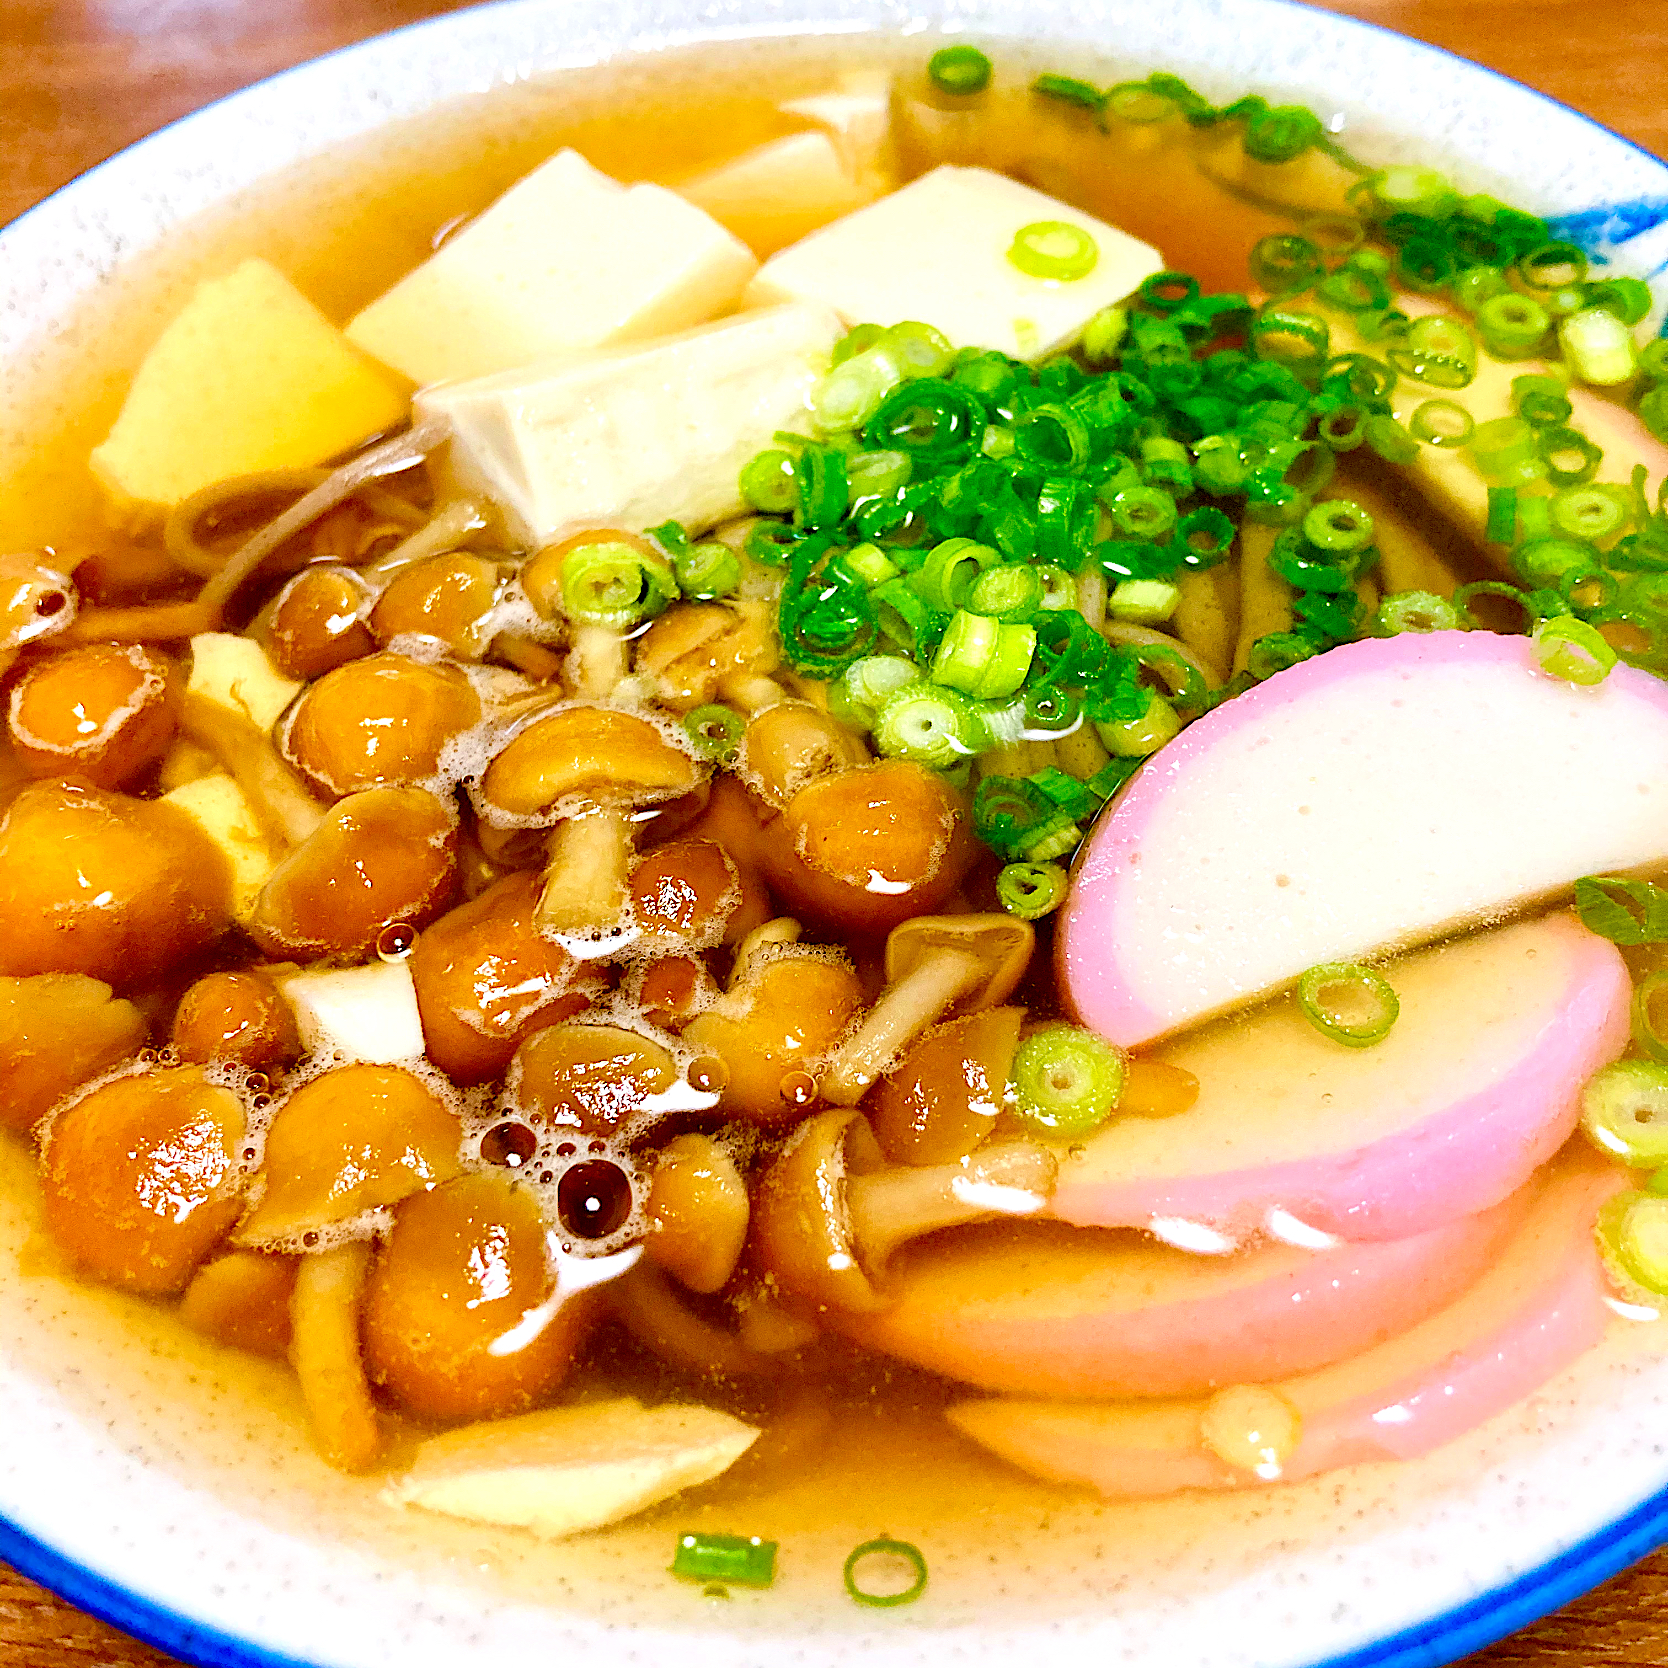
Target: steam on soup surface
{"type": "Point", "coordinates": [878, 769]}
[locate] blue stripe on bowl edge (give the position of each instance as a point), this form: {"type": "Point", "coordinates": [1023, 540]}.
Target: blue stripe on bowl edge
{"type": "Point", "coordinates": [1434, 1643]}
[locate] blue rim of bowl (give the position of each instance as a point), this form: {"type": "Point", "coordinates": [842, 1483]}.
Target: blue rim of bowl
{"type": "Point", "coordinates": [1437, 1642]}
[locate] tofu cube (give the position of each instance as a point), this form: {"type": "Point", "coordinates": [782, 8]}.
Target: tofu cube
{"type": "Point", "coordinates": [234, 673]}
{"type": "Point", "coordinates": [633, 436]}
{"type": "Point", "coordinates": [566, 259]}
{"type": "Point", "coordinates": [938, 251]}
{"type": "Point", "coordinates": [250, 375]}
{"type": "Point", "coordinates": [361, 1013]}
{"type": "Point", "coordinates": [566, 1469]}
{"type": "Point", "coordinates": [219, 807]}
{"type": "Point", "coordinates": [776, 193]}
{"type": "Point", "coordinates": [857, 114]}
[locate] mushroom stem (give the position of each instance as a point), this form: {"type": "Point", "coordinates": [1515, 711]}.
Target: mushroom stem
{"type": "Point", "coordinates": [597, 661]}
{"type": "Point", "coordinates": [588, 866]}
{"type": "Point", "coordinates": [905, 1009]}
{"type": "Point", "coordinates": [890, 1206]}
{"type": "Point", "coordinates": [751, 691]}
{"type": "Point", "coordinates": [782, 930]}
{"type": "Point", "coordinates": [649, 1307]}
{"type": "Point", "coordinates": [324, 1314]}
{"type": "Point", "coordinates": [289, 812]}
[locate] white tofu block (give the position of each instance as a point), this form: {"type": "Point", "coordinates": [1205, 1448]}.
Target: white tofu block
{"type": "Point", "coordinates": [938, 251]}
{"type": "Point", "coordinates": [233, 672]}
{"type": "Point", "coordinates": [778, 192]}
{"type": "Point", "coordinates": [565, 1469]}
{"type": "Point", "coordinates": [362, 1013]}
{"type": "Point", "coordinates": [857, 113]}
{"type": "Point", "coordinates": [630, 437]}
{"type": "Point", "coordinates": [218, 806]}
{"type": "Point", "coordinates": [566, 259]}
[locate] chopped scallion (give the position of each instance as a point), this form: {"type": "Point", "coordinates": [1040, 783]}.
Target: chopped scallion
{"type": "Point", "coordinates": [959, 70]}
{"type": "Point", "coordinates": [1413, 611]}
{"type": "Point", "coordinates": [1624, 911]}
{"type": "Point", "coordinates": [742, 1560]}
{"type": "Point", "coordinates": [1348, 1003]}
{"type": "Point", "coordinates": [928, 723]}
{"type": "Point", "coordinates": [1054, 249]}
{"type": "Point", "coordinates": [1647, 1032]}
{"type": "Point", "coordinates": [884, 1550]}
{"type": "Point", "coordinates": [1599, 346]}
{"type": "Point", "coordinates": [1624, 1110]}
{"type": "Point", "coordinates": [1571, 649]}
{"type": "Point", "coordinates": [1066, 1080]}
{"type": "Point", "coordinates": [715, 730]}
{"type": "Point", "coordinates": [1031, 890]}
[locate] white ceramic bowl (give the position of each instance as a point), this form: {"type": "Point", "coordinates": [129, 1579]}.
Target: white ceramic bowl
{"type": "Point", "coordinates": [153, 1484]}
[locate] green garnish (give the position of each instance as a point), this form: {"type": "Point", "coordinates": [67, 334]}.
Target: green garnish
{"type": "Point", "coordinates": [1571, 649]}
{"type": "Point", "coordinates": [715, 730]}
{"type": "Point", "coordinates": [885, 1547]}
{"type": "Point", "coordinates": [1413, 611]}
{"type": "Point", "coordinates": [959, 70]}
{"type": "Point", "coordinates": [1647, 1033]}
{"type": "Point", "coordinates": [741, 1560]}
{"type": "Point", "coordinates": [1066, 1081]}
{"type": "Point", "coordinates": [1632, 1236]}
{"type": "Point", "coordinates": [1031, 890]}
{"type": "Point", "coordinates": [1625, 911]}
{"type": "Point", "coordinates": [1624, 1110]}
{"type": "Point", "coordinates": [1054, 249]}
{"type": "Point", "coordinates": [1348, 1003]}
{"type": "Point", "coordinates": [613, 583]}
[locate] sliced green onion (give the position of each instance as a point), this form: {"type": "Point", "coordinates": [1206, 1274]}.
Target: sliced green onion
{"type": "Point", "coordinates": [868, 684]}
{"type": "Point", "coordinates": [959, 70]}
{"type": "Point", "coordinates": [707, 570]}
{"type": "Point", "coordinates": [852, 392]}
{"type": "Point", "coordinates": [902, 615]}
{"type": "Point", "coordinates": [1166, 292]}
{"type": "Point", "coordinates": [1413, 611]}
{"type": "Point", "coordinates": [740, 1560]}
{"type": "Point", "coordinates": [1011, 592]}
{"type": "Point", "coordinates": [1068, 89]}
{"type": "Point", "coordinates": [1053, 438]}
{"type": "Point", "coordinates": [871, 564]}
{"type": "Point", "coordinates": [767, 483]}
{"type": "Point", "coordinates": [1348, 1003]}
{"type": "Point", "coordinates": [1437, 351]}
{"type": "Point", "coordinates": [1471, 288]}
{"type": "Point", "coordinates": [1135, 738]}
{"type": "Point", "coordinates": [1506, 450]}
{"type": "Point", "coordinates": [1540, 400]}
{"type": "Point", "coordinates": [1031, 890]}
{"type": "Point", "coordinates": [1570, 457]}
{"type": "Point", "coordinates": [886, 1547]}
{"type": "Point", "coordinates": [1275, 651]}
{"type": "Point", "coordinates": [948, 573]}
{"type": "Point", "coordinates": [1054, 249]}
{"type": "Point", "coordinates": [1653, 360]}
{"type": "Point", "coordinates": [1571, 649]}
{"type": "Point", "coordinates": [1553, 266]}
{"type": "Point", "coordinates": [1624, 911]}
{"type": "Point", "coordinates": [1104, 334]}
{"type": "Point", "coordinates": [1389, 439]}
{"type": "Point", "coordinates": [1534, 518]}
{"type": "Point", "coordinates": [1624, 1110]}
{"type": "Point", "coordinates": [930, 724]}
{"type": "Point", "coordinates": [1285, 264]}
{"type": "Point", "coordinates": [1204, 538]}
{"type": "Point", "coordinates": [1646, 1032]}
{"type": "Point", "coordinates": [1411, 189]}
{"type": "Point", "coordinates": [1502, 515]}
{"type": "Point", "coordinates": [1144, 512]}
{"type": "Point", "coordinates": [1143, 601]}
{"type": "Point", "coordinates": [1354, 290]}
{"type": "Point", "coordinates": [1059, 588]}
{"type": "Point", "coordinates": [1339, 527]}
{"type": "Point", "coordinates": [1139, 102]}
{"type": "Point", "coordinates": [1512, 325]}
{"type": "Point", "coordinates": [921, 349]}
{"type": "Point", "coordinates": [1296, 340]}
{"type": "Point", "coordinates": [1599, 346]}
{"type": "Point", "coordinates": [1590, 512]}
{"type": "Point", "coordinates": [1546, 561]}
{"type": "Point", "coordinates": [715, 730]}
{"type": "Point", "coordinates": [1066, 1081]}
{"type": "Point", "coordinates": [1444, 423]}
{"type": "Point", "coordinates": [983, 657]}
{"type": "Point", "coordinates": [1281, 133]}
{"type": "Point", "coordinates": [1632, 1235]}
{"type": "Point", "coordinates": [1510, 594]}
{"type": "Point", "coordinates": [613, 583]}
{"type": "Point", "coordinates": [1628, 298]}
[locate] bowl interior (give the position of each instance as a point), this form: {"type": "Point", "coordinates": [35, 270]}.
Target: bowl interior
{"type": "Point", "coordinates": [183, 1474]}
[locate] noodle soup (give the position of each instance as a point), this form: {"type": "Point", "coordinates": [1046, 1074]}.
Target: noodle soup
{"type": "Point", "coordinates": [550, 913]}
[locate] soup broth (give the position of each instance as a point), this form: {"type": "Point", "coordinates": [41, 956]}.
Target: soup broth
{"type": "Point", "coordinates": [620, 1123]}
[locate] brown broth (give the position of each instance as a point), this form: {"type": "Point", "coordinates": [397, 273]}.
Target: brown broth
{"type": "Point", "coordinates": [860, 1448]}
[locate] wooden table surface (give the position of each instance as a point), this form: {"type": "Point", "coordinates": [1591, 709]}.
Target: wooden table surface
{"type": "Point", "coordinates": [81, 78]}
